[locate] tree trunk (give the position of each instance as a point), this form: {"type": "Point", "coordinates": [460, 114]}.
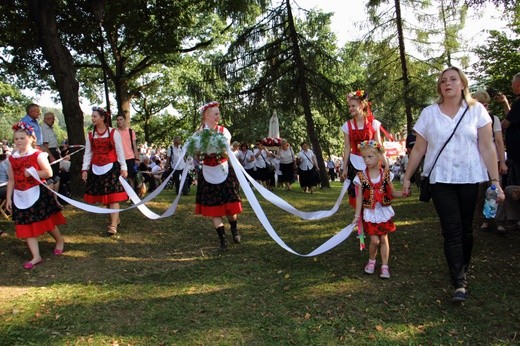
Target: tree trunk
{"type": "Point", "coordinates": [123, 98]}
{"type": "Point", "coordinates": [62, 67]}
{"type": "Point", "coordinates": [404, 67]}
{"type": "Point", "coordinates": [304, 93]}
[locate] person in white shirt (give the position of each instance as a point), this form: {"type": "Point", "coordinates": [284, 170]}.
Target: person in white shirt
{"type": "Point", "coordinates": [247, 159]}
{"type": "Point", "coordinates": [50, 146]}
{"type": "Point", "coordinates": [467, 159]}
{"type": "Point", "coordinates": [261, 162]}
{"type": "Point", "coordinates": [307, 165]}
{"type": "Point", "coordinates": [175, 160]}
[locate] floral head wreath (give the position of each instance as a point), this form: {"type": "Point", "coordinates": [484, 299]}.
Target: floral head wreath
{"type": "Point", "coordinates": [211, 104]}
{"type": "Point", "coordinates": [21, 126]}
{"type": "Point", "coordinates": [362, 95]}
{"type": "Point", "coordinates": [101, 111]}
{"type": "Point", "coordinates": [358, 94]}
{"type": "Point", "coordinates": [371, 144]}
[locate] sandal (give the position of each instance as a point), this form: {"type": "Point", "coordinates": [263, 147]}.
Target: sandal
{"type": "Point", "coordinates": [112, 230]}
{"type": "Point", "coordinates": [501, 230]}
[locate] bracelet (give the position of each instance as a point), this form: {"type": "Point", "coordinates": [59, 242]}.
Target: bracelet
{"type": "Point", "coordinates": [495, 180]}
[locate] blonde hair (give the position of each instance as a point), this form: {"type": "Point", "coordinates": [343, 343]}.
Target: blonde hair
{"type": "Point", "coordinates": [465, 92]}
{"type": "Point", "coordinates": [481, 96]}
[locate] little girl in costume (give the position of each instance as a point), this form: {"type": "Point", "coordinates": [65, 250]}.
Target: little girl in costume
{"type": "Point", "coordinates": [374, 192]}
{"type": "Point", "coordinates": [361, 127]}
{"type": "Point", "coordinates": [34, 208]}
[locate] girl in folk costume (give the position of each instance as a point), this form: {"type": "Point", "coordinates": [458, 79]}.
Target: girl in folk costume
{"type": "Point", "coordinates": [103, 163]}
{"type": "Point", "coordinates": [374, 192]}
{"type": "Point", "coordinates": [362, 127]}
{"type": "Point", "coordinates": [218, 187]}
{"type": "Point", "coordinates": [34, 208]}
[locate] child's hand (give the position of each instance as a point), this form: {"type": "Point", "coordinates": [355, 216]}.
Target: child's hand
{"type": "Point", "coordinates": [356, 219]}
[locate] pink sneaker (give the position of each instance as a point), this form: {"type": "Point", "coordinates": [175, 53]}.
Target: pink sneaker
{"type": "Point", "coordinates": [370, 267]}
{"type": "Point", "coordinates": [385, 273]}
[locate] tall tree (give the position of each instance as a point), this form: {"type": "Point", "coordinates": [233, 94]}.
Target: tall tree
{"type": "Point", "coordinates": [395, 31]}
{"type": "Point", "coordinates": [291, 66]}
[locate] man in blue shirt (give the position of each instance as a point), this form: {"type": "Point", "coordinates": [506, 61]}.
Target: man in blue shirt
{"type": "Point", "coordinates": [31, 118]}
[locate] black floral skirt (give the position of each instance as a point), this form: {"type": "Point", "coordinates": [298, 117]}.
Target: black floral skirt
{"type": "Point", "coordinates": [218, 199]}
{"type": "Point", "coordinates": [105, 188]}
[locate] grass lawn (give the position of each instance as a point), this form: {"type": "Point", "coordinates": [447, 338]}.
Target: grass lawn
{"type": "Point", "coordinates": [165, 283]}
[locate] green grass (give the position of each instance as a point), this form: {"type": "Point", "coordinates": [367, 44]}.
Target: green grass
{"type": "Point", "coordinates": [165, 283]}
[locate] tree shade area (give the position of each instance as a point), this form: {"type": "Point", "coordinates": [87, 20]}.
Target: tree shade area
{"type": "Point", "coordinates": [159, 61]}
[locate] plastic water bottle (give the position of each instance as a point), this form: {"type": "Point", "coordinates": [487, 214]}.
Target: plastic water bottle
{"type": "Point", "coordinates": [490, 203]}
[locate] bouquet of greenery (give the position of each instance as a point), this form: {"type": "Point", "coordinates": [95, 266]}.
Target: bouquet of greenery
{"type": "Point", "coordinates": [207, 143]}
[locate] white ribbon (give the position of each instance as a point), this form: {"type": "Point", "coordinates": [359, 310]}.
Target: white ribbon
{"type": "Point", "coordinates": [255, 205]}
{"type": "Point", "coordinates": [282, 204]}
{"type": "Point", "coordinates": [243, 178]}
{"type": "Point", "coordinates": [81, 147]}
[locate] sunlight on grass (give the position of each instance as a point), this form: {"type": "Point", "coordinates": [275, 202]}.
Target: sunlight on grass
{"type": "Point", "coordinates": [152, 260]}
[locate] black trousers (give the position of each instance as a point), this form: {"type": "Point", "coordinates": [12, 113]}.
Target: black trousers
{"type": "Point", "coordinates": [455, 205]}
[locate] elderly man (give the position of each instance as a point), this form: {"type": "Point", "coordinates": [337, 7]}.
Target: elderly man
{"type": "Point", "coordinates": [31, 118]}
{"type": "Point", "coordinates": [50, 146]}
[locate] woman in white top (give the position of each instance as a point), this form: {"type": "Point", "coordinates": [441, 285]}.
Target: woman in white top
{"type": "Point", "coordinates": [307, 165]}
{"type": "Point", "coordinates": [287, 164]}
{"type": "Point", "coordinates": [246, 159]}
{"type": "Point", "coordinates": [466, 161]}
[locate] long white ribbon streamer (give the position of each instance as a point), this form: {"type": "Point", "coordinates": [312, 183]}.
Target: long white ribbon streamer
{"type": "Point", "coordinates": [255, 205]}
{"type": "Point", "coordinates": [282, 204]}
{"type": "Point", "coordinates": [81, 147]}
{"type": "Point", "coordinates": [253, 201]}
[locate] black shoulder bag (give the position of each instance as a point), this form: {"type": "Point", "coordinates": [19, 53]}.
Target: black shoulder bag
{"type": "Point", "coordinates": [425, 190]}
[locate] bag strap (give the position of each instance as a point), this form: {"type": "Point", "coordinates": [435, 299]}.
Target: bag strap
{"type": "Point", "coordinates": [263, 158]}
{"type": "Point", "coordinates": [312, 163]}
{"type": "Point", "coordinates": [444, 146]}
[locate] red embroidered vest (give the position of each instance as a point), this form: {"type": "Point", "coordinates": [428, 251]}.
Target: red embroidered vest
{"type": "Point", "coordinates": [357, 136]}
{"type": "Point", "coordinates": [19, 164]}
{"type": "Point", "coordinates": [103, 149]}
{"type": "Point", "coordinates": [378, 192]}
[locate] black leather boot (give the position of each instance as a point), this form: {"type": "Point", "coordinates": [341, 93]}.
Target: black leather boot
{"type": "Point", "coordinates": [222, 236]}
{"type": "Point", "coordinates": [234, 231]}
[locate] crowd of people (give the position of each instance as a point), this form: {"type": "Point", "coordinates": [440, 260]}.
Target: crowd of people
{"type": "Point", "coordinates": [455, 142]}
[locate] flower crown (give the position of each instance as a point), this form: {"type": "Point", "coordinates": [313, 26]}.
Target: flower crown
{"type": "Point", "coordinates": [101, 110]}
{"type": "Point", "coordinates": [358, 94]}
{"type": "Point", "coordinates": [371, 144]}
{"type": "Point", "coordinates": [25, 127]}
{"type": "Point", "coordinates": [211, 104]}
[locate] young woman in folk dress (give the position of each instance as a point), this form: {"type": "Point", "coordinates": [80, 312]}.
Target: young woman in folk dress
{"type": "Point", "coordinates": [103, 163]}
{"type": "Point", "coordinates": [362, 127]}
{"type": "Point", "coordinates": [218, 187]}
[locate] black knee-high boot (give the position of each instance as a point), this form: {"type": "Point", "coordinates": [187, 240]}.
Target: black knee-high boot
{"type": "Point", "coordinates": [222, 236]}
{"type": "Point", "coordinates": [234, 231]}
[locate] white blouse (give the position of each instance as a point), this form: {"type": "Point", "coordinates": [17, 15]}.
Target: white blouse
{"type": "Point", "coordinates": [376, 125]}
{"type": "Point", "coordinates": [286, 156]}
{"type": "Point", "coordinates": [460, 162]}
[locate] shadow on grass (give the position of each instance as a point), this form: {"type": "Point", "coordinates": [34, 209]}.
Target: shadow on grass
{"type": "Point", "coordinates": [164, 282]}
